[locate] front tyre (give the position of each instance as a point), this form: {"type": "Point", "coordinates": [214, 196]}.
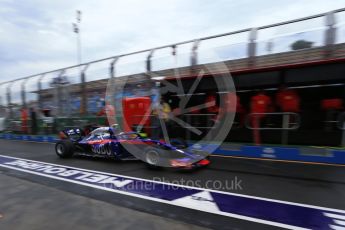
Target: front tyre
{"type": "Point", "coordinates": [152, 158]}
{"type": "Point", "coordinates": [64, 148]}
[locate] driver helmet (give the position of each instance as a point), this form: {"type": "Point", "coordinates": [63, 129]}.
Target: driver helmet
{"type": "Point", "coordinates": [115, 128]}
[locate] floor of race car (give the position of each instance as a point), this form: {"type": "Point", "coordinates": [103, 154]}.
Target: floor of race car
{"type": "Point", "coordinates": [34, 202]}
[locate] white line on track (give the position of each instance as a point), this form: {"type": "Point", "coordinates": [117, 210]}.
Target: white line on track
{"type": "Point", "coordinates": [184, 186]}
{"type": "Point", "coordinates": [199, 208]}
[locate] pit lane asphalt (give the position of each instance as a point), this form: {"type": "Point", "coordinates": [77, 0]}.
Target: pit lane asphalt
{"type": "Point", "coordinates": [321, 185]}
{"type": "Point", "coordinates": [44, 207]}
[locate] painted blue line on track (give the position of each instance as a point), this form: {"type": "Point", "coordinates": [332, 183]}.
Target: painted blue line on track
{"type": "Point", "coordinates": [261, 210]}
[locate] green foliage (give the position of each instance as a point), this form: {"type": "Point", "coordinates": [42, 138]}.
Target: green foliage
{"type": "Point", "coordinates": [301, 44]}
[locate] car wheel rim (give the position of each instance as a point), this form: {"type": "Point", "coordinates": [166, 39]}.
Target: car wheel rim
{"type": "Point", "coordinates": [152, 157]}
{"type": "Point", "coordinates": [59, 149]}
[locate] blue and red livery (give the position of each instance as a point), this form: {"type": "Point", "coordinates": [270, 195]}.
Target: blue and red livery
{"type": "Point", "coordinates": [106, 142]}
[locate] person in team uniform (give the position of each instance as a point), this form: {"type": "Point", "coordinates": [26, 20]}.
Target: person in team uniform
{"type": "Point", "coordinates": [233, 105]}
{"type": "Point", "coordinates": [24, 120]}
{"type": "Point", "coordinates": [212, 107]}
{"type": "Point", "coordinates": [260, 105]}
{"type": "Point", "coordinates": [160, 112]}
{"type": "Point", "coordinates": [288, 100]}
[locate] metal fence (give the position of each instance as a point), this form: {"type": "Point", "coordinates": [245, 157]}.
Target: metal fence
{"type": "Point", "coordinates": [66, 91]}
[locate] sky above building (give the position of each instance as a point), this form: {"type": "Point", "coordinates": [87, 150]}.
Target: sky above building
{"type": "Point", "coordinates": [37, 35]}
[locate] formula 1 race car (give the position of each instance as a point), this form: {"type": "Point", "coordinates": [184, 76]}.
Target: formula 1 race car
{"type": "Point", "coordinates": [107, 143]}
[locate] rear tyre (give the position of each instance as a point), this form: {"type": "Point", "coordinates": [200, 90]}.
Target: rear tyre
{"type": "Point", "coordinates": [64, 148]}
